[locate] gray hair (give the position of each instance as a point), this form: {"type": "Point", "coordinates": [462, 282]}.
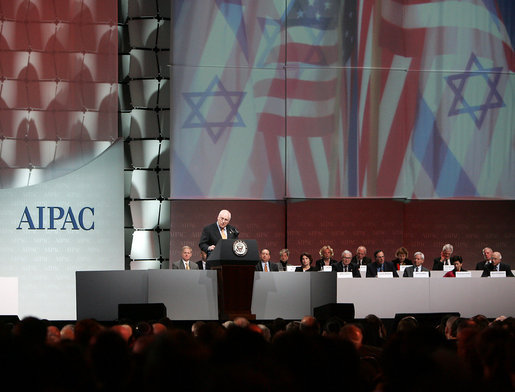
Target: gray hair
{"type": "Point", "coordinates": [448, 247]}
{"type": "Point", "coordinates": [419, 254]}
{"type": "Point", "coordinates": [346, 252]}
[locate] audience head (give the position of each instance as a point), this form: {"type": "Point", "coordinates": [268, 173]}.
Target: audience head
{"type": "Point", "coordinates": [241, 322]}
{"type": "Point", "coordinates": [124, 330]}
{"type": "Point", "coordinates": [53, 335]}
{"type": "Point", "coordinates": [353, 334]}
{"type": "Point", "coordinates": [68, 332]}
{"type": "Point", "coordinates": [407, 323]}
{"type": "Point", "coordinates": [310, 325]}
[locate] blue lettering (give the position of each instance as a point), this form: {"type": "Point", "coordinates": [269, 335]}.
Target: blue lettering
{"type": "Point", "coordinates": [69, 218]}
{"type": "Point", "coordinates": [81, 218]}
{"type": "Point", "coordinates": [85, 219]}
{"type": "Point", "coordinates": [53, 218]}
{"type": "Point", "coordinates": [41, 222]}
{"type": "Point", "coordinates": [28, 219]}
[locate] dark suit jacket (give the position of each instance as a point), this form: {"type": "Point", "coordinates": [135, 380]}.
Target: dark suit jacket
{"type": "Point", "coordinates": [273, 266]}
{"type": "Point", "coordinates": [408, 271]}
{"type": "Point", "coordinates": [481, 265]}
{"type": "Point", "coordinates": [283, 267]}
{"type": "Point", "coordinates": [352, 268]}
{"type": "Point", "coordinates": [201, 266]}
{"type": "Point", "coordinates": [366, 260]}
{"type": "Point", "coordinates": [388, 266]}
{"type": "Point", "coordinates": [437, 264]}
{"type": "Point", "coordinates": [502, 267]}
{"type": "Point", "coordinates": [311, 269]}
{"type": "Point", "coordinates": [320, 263]}
{"type": "Point", "coordinates": [211, 235]}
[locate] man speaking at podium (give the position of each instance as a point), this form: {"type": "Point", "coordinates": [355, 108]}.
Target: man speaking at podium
{"type": "Point", "coordinates": [212, 233]}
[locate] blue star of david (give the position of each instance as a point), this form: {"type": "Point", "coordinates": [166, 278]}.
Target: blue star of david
{"type": "Point", "coordinates": [493, 99]}
{"type": "Point", "coordinates": [216, 90]}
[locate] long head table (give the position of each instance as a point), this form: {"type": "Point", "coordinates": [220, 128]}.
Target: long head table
{"type": "Point", "coordinates": [192, 295]}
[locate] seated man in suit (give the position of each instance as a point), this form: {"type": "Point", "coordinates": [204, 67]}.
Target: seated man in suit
{"type": "Point", "coordinates": [496, 265]}
{"type": "Point", "coordinates": [444, 259]}
{"type": "Point", "coordinates": [346, 266]}
{"type": "Point", "coordinates": [360, 258]}
{"type": "Point", "coordinates": [185, 262]}
{"type": "Point", "coordinates": [380, 265]}
{"type": "Point", "coordinates": [487, 258]}
{"type": "Point", "coordinates": [202, 264]}
{"type": "Point", "coordinates": [416, 267]}
{"type": "Point", "coordinates": [284, 255]}
{"type": "Point", "coordinates": [214, 232]}
{"type": "Point", "coordinates": [326, 253]}
{"type": "Point", "coordinates": [264, 264]}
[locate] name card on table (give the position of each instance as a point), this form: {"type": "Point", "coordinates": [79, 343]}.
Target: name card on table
{"type": "Point", "coordinates": [463, 274]}
{"type": "Point", "coordinates": [402, 267]}
{"type": "Point", "coordinates": [327, 268]}
{"type": "Point", "coordinates": [385, 274]}
{"type": "Point", "coordinates": [447, 268]}
{"type": "Point", "coordinates": [362, 268]}
{"type": "Point", "coordinates": [498, 274]}
{"type": "Point", "coordinates": [290, 268]}
{"type": "Point", "coordinates": [421, 274]}
{"type": "Point", "coordinates": [344, 275]}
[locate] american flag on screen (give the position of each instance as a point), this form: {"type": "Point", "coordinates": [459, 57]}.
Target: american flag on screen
{"type": "Point", "coordinates": [305, 107]}
{"type": "Point", "coordinates": [323, 98]}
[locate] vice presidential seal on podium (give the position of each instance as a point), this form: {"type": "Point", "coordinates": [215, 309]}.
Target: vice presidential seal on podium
{"type": "Point", "coordinates": [235, 261]}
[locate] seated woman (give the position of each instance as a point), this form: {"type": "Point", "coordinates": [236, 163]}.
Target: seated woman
{"type": "Point", "coordinates": [305, 263]}
{"type": "Point", "coordinates": [458, 267]}
{"type": "Point", "coordinates": [402, 258]}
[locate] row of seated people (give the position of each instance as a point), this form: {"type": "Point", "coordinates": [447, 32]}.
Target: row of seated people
{"type": "Point", "coordinates": [471, 354]}
{"type": "Point", "coordinates": [352, 264]}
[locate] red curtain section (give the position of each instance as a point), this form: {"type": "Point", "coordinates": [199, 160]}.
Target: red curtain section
{"type": "Point", "coordinates": [307, 225]}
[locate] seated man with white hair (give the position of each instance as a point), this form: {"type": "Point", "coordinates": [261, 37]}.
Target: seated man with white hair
{"type": "Point", "coordinates": [345, 265]}
{"type": "Point", "coordinates": [409, 272]}
{"type": "Point", "coordinates": [496, 265]}
{"type": "Point", "coordinates": [444, 259]}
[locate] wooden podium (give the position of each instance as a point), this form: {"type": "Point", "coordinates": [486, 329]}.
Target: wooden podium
{"type": "Point", "coordinates": [235, 262]}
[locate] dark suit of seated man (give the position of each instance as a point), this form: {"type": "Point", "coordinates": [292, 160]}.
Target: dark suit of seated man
{"type": "Point", "coordinates": [380, 265]}
{"type": "Point", "coordinates": [416, 267]}
{"type": "Point", "coordinates": [487, 259]}
{"type": "Point", "coordinates": [360, 258]}
{"type": "Point", "coordinates": [444, 259]}
{"type": "Point", "coordinates": [496, 265]}
{"type": "Point", "coordinates": [264, 264]}
{"type": "Point", "coordinates": [214, 232]}
{"type": "Point", "coordinates": [346, 266]}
